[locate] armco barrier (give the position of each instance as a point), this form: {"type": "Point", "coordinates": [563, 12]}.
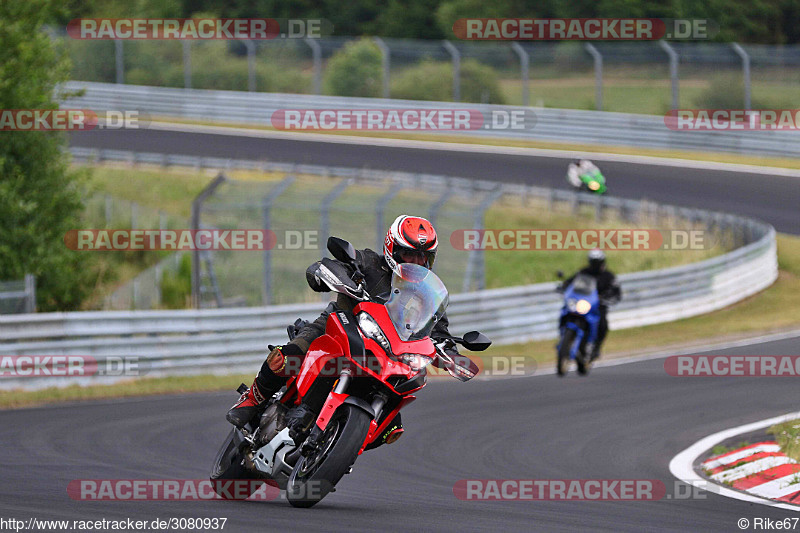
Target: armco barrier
{"type": "Point", "coordinates": [226, 340]}
{"type": "Point", "coordinates": [573, 126]}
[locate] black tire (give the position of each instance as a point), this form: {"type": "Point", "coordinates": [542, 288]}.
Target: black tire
{"type": "Point", "coordinates": [314, 477]}
{"type": "Point", "coordinates": [562, 363]}
{"type": "Point", "coordinates": [584, 364]}
{"type": "Point", "coordinates": [228, 465]}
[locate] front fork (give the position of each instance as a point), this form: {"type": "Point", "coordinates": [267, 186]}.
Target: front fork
{"type": "Point", "coordinates": [335, 399]}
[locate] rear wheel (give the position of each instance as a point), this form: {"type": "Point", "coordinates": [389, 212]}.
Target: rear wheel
{"type": "Point", "coordinates": [228, 465]}
{"type": "Point", "coordinates": [315, 476]}
{"type": "Point", "coordinates": [562, 363]}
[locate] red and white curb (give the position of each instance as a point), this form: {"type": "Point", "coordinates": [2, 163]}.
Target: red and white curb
{"type": "Point", "coordinates": [758, 473]}
{"type": "Point", "coordinates": [760, 469]}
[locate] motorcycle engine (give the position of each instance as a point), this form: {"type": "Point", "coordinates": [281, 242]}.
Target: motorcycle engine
{"type": "Point", "coordinates": [272, 422]}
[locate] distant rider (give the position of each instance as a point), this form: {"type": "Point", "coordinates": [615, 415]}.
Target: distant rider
{"type": "Point", "coordinates": [578, 168]}
{"type": "Point", "coordinates": [608, 290]}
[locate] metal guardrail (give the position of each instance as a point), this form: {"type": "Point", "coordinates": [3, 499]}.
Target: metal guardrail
{"type": "Point", "coordinates": [225, 340]}
{"type": "Point", "coordinates": [572, 126]}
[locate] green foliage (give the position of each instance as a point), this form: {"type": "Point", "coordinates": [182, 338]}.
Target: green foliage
{"type": "Point", "coordinates": [176, 288]}
{"type": "Point", "coordinates": [40, 199]}
{"type": "Point", "coordinates": [214, 66]}
{"type": "Point", "coordinates": [355, 70]}
{"type": "Point", "coordinates": [432, 80]}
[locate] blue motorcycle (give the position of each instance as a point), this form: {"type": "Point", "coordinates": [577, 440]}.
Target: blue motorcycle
{"type": "Point", "coordinates": [580, 317]}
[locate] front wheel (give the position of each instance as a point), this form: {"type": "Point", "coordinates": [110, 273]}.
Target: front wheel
{"type": "Point", "coordinates": [315, 476]}
{"type": "Point", "coordinates": [562, 363]}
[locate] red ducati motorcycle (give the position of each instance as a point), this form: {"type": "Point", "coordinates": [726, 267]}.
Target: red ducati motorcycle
{"type": "Point", "coordinates": [369, 362]}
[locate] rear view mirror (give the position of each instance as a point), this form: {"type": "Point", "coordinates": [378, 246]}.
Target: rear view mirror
{"type": "Point", "coordinates": [476, 341]}
{"type": "Point", "coordinates": [341, 250]}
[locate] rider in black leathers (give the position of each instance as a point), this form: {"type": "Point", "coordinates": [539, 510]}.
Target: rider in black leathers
{"type": "Point", "coordinates": [608, 289]}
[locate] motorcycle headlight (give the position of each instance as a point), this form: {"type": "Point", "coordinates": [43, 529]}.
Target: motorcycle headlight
{"type": "Point", "coordinates": [594, 185]}
{"type": "Point", "coordinates": [372, 330]}
{"type": "Point", "coordinates": [415, 360]}
{"type": "Point", "coordinates": [583, 306]}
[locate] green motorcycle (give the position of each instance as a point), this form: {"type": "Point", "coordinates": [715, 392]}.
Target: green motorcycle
{"type": "Point", "coordinates": [591, 181]}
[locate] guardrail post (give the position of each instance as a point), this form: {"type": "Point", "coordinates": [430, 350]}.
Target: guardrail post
{"type": "Point", "coordinates": [524, 66]}
{"type": "Point", "coordinates": [745, 72]}
{"type": "Point", "coordinates": [598, 75]}
{"type": "Point", "coordinates": [380, 209]}
{"type": "Point", "coordinates": [251, 65]}
{"type": "Point", "coordinates": [456, 55]}
{"type": "Point", "coordinates": [599, 204]}
{"type": "Point", "coordinates": [197, 205]}
{"type": "Point", "coordinates": [385, 64]}
{"type": "Point", "coordinates": [325, 213]}
{"type": "Point", "coordinates": [673, 70]}
{"type": "Point", "coordinates": [119, 58]}
{"type": "Point", "coordinates": [30, 293]}
{"type": "Point", "coordinates": [316, 54]}
{"type": "Point", "coordinates": [187, 63]}
{"type": "Point", "coordinates": [266, 212]}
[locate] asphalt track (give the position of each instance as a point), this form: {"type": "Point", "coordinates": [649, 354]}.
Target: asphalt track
{"type": "Point", "coordinates": [771, 198]}
{"type": "Point", "coordinates": [621, 422]}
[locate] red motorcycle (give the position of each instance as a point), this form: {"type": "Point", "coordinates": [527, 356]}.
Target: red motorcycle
{"type": "Point", "coordinates": [370, 361]}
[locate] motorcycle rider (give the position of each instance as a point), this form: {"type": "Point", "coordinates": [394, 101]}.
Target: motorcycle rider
{"type": "Point", "coordinates": [409, 240]}
{"type": "Point", "coordinates": [578, 168]}
{"type": "Point", "coordinates": [608, 289]}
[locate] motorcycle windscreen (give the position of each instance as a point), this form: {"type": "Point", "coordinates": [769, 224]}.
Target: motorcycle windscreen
{"type": "Point", "coordinates": [584, 284]}
{"type": "Point", "coordinates": [417, 301]}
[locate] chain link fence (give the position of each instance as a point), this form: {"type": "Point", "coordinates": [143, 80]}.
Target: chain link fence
{"type": "Point", "coordinates": [144, 291]}
{"type": "Point", "coordinates": [635, 77]}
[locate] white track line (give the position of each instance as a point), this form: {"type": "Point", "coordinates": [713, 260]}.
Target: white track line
{"type": "Point", "coordinates": [473, 148]}
{"type": "Point", "coordinates": [682, 465]}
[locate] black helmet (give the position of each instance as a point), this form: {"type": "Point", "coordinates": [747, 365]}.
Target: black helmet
{"type": "Point", "coordinates": [597, 259]}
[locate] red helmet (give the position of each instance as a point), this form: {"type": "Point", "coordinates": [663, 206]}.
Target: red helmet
{"type": "Point", "coordinates": [410, 240]}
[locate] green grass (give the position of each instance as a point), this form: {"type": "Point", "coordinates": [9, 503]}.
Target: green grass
{"type": "Point", "coordinates": [636, 95]}
{"type": "Point", "coordinates": [787, 435]}
{"type": "Point", "coordinates": [519, 267]}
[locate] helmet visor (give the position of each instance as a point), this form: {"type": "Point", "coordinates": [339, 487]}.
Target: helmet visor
{"type": "Point", "coordinates": [415, 257]}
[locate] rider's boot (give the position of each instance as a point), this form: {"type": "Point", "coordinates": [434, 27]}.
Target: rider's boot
{"type": "Point", "coordinates": [266, 383]}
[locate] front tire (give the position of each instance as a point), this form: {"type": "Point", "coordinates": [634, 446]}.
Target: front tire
{"type": "Point", "coordinates": [562, 363]}
{"type": "Point", "coordinates": [315, 476]}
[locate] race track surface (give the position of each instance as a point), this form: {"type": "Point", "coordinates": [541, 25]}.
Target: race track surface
{"type": "Point", "coordinates": [621, 422]}
{"type": "Point", "coordinates": [773, 199]}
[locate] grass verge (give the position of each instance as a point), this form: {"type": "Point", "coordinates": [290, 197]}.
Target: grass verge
{"type": "Point", "coordinates": [787, 435]}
